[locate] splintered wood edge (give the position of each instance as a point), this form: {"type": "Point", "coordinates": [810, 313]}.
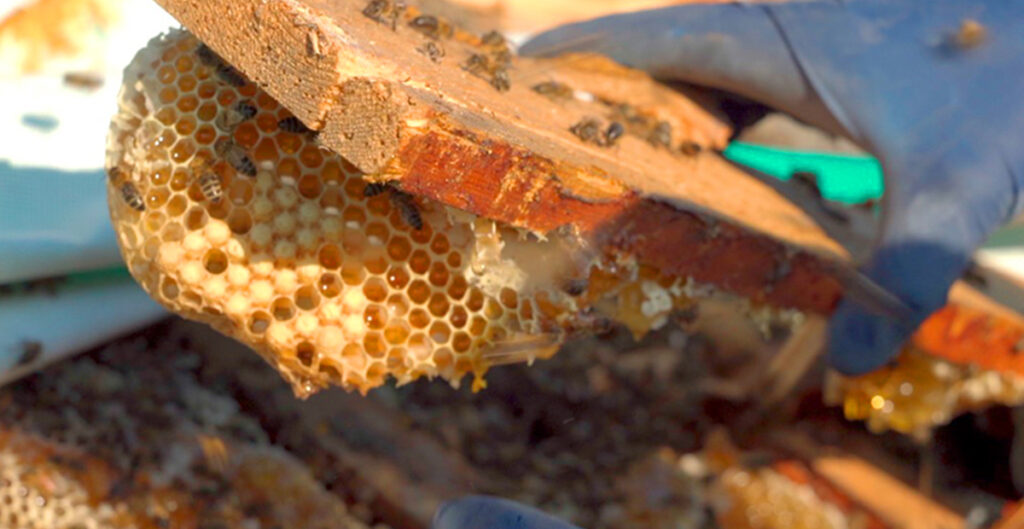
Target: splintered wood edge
{"type": "Point", "coordinates": [451, 137]}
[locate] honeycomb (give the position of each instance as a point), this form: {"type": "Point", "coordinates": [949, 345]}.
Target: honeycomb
{"type": "Point", "coordinates": [784, 494]}
{"type": "Point", "coordinates": [35, 493]}
{"type": "Point", "coordinates": [98, 443]}
{"type": "Point", "coordinates": [920, 391]}
{"type": "Point", "coordinates": [331, 275]}
{"type": "Point", "coordinates": [962, 358]}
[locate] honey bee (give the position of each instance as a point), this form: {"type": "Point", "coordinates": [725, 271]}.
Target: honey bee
{"type": "Point", "coordinates": [661, 135]}
{"type": "Point", "coordinates": [613, 133]}
{"type": "Point", "coordinates": [478, 64]}
{"type": "Point", "coordinates": [294, 125]}
{"type": "Point", "coordinates": [406, 205]}
{"type": "Point", "coordinates": [384, 12]}
{"type": "Point", "coordinates": [129, 193]}
{"type": "Point", "coordinates": [31, 350]}
{"type": "Point", "coordinates": [690, 148]}
{"type": "Point", "coordinates": [225, 71]}
{"type": "Point", "coordinates": [629, 113]}
{"type": "Point", "coordinates": [500, 80]}
{"type": "Point", "coordinates": [588, 129]}
{"type": "Point", "coordinates": [375, 188]}
{"type": "Point", "coordinates": [432, 50]}
{"type": "Point", "coordinates": [207, 55]}
{"type": "Point", "coordinates": [235, 155]}
{"type": "Point", "coordinates": [214, 451]}
{"type": "Point", "coordinates": [83, 80]}
{"type": "Point", "coordinates": [229, 119]}
{"type": "Point", "coordinates": [403, 202]}
{"type": "Point", "coordinates": [431, 27]}
{"type": "Point", "coordinates": [553, 90]}
{"type": "Point", "coordinates": [131, 196]}
{"type": "Point", "coordinates": [484, 67]}
{"type": "Point", "coordinates": [494, 39]}
{"type": "Point", "coordinates": [210, 185]}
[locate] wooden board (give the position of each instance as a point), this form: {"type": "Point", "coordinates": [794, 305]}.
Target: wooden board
{"type": "Point", "coordinates": [447, 134]}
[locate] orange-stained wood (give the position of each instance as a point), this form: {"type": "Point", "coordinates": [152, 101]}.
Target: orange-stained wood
{"type": "Point", "coordinates": [510, 156]}
{"type": "Point", "coordinates": [799, 472]}
{"type": "Point", "coordinates": [966, 335]}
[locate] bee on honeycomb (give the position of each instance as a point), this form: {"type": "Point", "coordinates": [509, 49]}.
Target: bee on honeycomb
{"type": "Point", "coordinates": [330, 283]}
{"type": "Point", "coordinates": [209, 183]}
{"type": "Point", "coordinates": [331, 286]}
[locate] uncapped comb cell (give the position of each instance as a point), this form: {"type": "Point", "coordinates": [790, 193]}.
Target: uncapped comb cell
{"type": "Point", "coordinates": [332, 278]}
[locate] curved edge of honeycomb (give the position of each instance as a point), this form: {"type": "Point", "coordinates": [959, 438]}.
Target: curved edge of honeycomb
{"type": "Point", "coordinates": [227, 211]}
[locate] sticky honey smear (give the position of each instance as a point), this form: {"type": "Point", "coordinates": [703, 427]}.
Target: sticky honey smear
{"type": "Point", "coordinates": [961, 359]}
{"type": "Point", "coordinates": [919, 392]}
{"type": "Point", "coordinates": [329, 280]}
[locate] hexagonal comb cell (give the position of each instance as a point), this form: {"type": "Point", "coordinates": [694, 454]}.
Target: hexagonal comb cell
{"type": "Point", "coordinates": [226, 217]}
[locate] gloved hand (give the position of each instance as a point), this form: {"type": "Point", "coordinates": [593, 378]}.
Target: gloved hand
{"type": "Point", "coordinates": [938, 106]}
{"type": "Point", "coordinates": [482, 512]}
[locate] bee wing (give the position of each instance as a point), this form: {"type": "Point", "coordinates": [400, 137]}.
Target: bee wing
{"type": "Point", "coordinates": [522, 347]}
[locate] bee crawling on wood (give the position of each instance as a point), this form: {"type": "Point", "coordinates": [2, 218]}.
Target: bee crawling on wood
{"type": "Point", "coordinates": [494, 39]}
{"type": "Point", "coordinates": [588, 129]}
{"type": "Point", "coordinates": [612, 134]}
{"type": "Point", "coordinates": [235, 155]}
{"type": "Point", "coordinates": [229, 119]}
{"type": "Point", "coordinates": [210, 185]}
{"type": "Point", "coordinates": [432, 50]}
{"type": "Point", "coordinates": [478, 64]}
{"type": "Point", "coordinates": [554, 90]}
{"type": "Point", "coordinates": [629, 113]}
{"type": "Point", "coordinates": [661, 135]}
{"type": "Point", "coordinates": [498, 48]}
{"type": "Point", "coordinates": [431, 26]}
{"type": "Point", "coordinates": [690, 148]}
{"type": "Point", "coordinates": [225, 71]}
{"type": "Point", "coordinates": [384, 12]}
{"type": "Point", "coordinates": [485, 67]}
{"type": "Point", "coordinates": [31, 350]}
{"type": "Point", "coordinates": [500, 80]}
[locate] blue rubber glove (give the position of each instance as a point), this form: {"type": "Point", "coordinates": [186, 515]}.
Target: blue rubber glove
{"type": "Point", "coordinates": [482, 512]}
{"type": "Point", "coordinates": [941, 109]}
